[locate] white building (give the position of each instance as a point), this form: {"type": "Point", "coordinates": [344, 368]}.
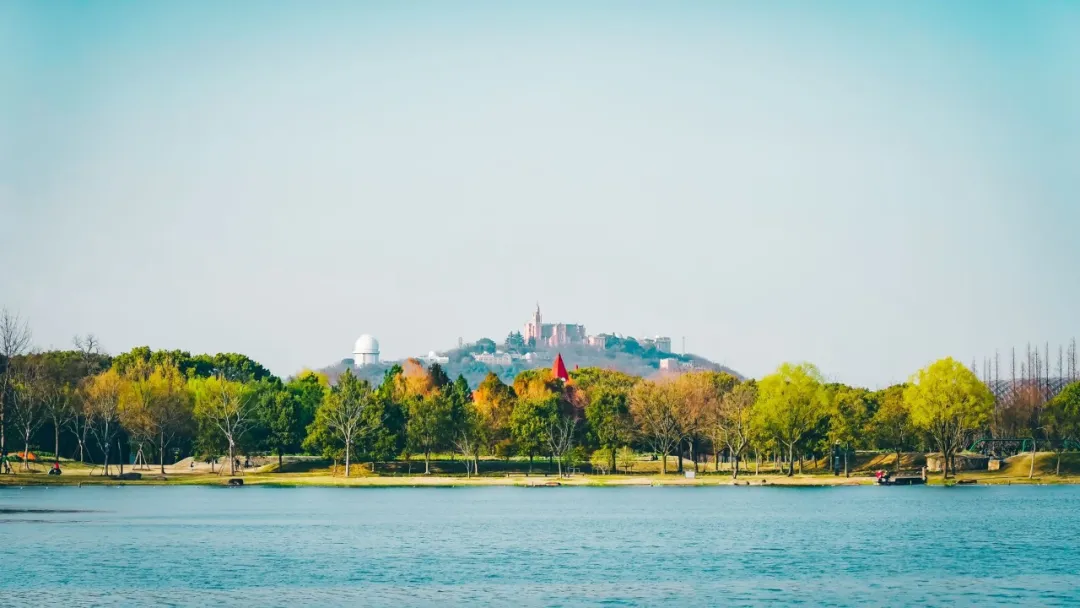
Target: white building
{"type": "Point", "coordinates": [663, 344]}
{"type": "Point", "coordinates": [366, 351]}
{"type": "Point", "coordinates": [674, 365]}
{"type": "Point", "coordinates": [433, 357]}
{"type": "Point", "coordinates": [496, 358]}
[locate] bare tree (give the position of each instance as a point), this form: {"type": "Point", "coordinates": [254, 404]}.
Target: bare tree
{"type": "Point", "coordinates": [14, 340]}
{"type": "Point", "coordinates": [59, 402]}
{"type": "Point", "coordinates": [80, 421]}
{"type": "Point", "coordinates": [733, 421]}
{"type": "Point", "coordinates": [652, 405]}
{"type": "Point", "coordinates": [560, 437]}
{"type": "Point", "coordinates": [101, 396]}
{"type": "Point", "coordinates": [229, 407]}
{"type": "Point", "coordinates": [81, 418]}
{"type": "Point", "coordinates": [343, 411]}
{"type": "Point", "coordinates": [1072, 360]}
{"type": "Point", "coordinates": [468, 437]}
{"type": "Point", "coordinates": [27, 403]}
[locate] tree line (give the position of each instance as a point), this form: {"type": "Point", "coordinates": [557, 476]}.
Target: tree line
{"type": "Point", "coordinates": [97, 408]}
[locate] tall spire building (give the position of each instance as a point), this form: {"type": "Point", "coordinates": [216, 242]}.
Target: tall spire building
{"type": "Point", "coordinates": [539, 333]}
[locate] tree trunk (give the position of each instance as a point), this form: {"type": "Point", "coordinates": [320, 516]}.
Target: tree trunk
{"type": "Point", "coordinates": [663, 464]}
{"type": "Point", "coordinates": [1031, 471]}
{"type": "Point", "coordinates": [613, 468]}
{"type": "Point", "coordinates": [26, 452]}
{"type": "Point", "coordinates": [734, 465]}
{"type": "Point", "coordinates": [120, 456]}
{"type": "Point", "coordinates": [427, 463]}
{"type": "Point", "coordinates": [476, 463]}
{"type": "Point", "coordinates": [560, 468]}
{"type": "Point", "coordinates": [944, 464]}
{"type": "Point", "coordinates": [847, 473]}
{"type": "Point", "coordinates": [791, 458]}
{"type": "Point", "coordinates": [1058, 471]}
{"type": "Point", "coordinates": [232, 458]}
{"type": "Point", "coordinates": [716, 460]}
{"type": "Point", "coordinates": [757, 462]}
{"type": "Point", "coordinates": [281, 463]}
{"type": "Point", "coordinates": [56, 439]}
{"type": "Point", "coordinates": [348, 461]}
{"type": "Point", "coordinates": [161, 452]}
{"type": "Point", "coordinates": [679, 452]}
{"type": "Point", "coordinates": [897, 462]}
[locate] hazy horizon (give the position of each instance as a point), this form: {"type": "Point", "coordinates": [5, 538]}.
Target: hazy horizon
{"type": "Point", "coordinates": [865, 187]}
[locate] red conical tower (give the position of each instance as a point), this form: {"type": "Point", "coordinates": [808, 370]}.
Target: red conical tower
{"type": "Point", "coordinates": [558, 369]}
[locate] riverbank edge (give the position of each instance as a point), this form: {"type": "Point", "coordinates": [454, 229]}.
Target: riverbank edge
{"type": "Point", "coordinates": [420, 481]}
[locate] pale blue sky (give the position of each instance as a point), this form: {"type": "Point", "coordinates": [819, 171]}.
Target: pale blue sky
{"type": "Point", "coordinates": [866, 186]}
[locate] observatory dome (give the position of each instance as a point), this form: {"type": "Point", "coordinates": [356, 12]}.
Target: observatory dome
{"type": "Point", "coordinates": [366, 351]}
{"type": "Point", "coordinates": [366, 345]}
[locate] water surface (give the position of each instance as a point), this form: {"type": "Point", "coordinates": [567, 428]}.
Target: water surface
{"type": "Point", "coordinates": [540, 547]}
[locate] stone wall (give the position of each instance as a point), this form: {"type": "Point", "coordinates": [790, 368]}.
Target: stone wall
{"type": "Point", "coordinates": [964, 462]}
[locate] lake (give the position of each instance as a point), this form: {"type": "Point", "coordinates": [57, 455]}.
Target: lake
{"type": "Point", "coordinates": [504, 546]}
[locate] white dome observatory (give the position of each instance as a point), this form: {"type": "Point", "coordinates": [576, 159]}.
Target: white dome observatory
{"type": "Point", "coordinates": [366, 351]}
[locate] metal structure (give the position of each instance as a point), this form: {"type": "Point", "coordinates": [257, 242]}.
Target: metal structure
{"type": "Point", "coordinates": [1022, 444]}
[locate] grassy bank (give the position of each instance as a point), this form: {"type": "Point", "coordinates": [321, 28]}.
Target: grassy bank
{"type": "Point", "coordinates": [446, 473]}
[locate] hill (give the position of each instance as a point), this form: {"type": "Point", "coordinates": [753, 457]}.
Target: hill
{"type": "Point", "coordinates": [644, 362]}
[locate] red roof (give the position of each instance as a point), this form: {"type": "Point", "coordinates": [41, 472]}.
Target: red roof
{"type": "Point", "coordinates": [558, 369]}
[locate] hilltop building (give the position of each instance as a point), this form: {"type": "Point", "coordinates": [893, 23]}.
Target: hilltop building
{"type": "Point", "coordinates": [366, 351]}
{"type": "Point", "coordinates": [495, 358]}
{"type": "Point", "coordinates": [552, 334]}
{"type": "Point", "coordinates": [433, 357]}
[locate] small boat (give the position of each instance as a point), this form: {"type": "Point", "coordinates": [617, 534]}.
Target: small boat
{"type": "Point", "coordinates": [886, 478]}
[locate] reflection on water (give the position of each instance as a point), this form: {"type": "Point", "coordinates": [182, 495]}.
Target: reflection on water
{"type": "Point", "coordinates": [512, 546]}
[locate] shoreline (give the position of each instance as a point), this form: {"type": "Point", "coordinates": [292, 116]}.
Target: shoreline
{"type": "Point", "coordinates": [447, 481]}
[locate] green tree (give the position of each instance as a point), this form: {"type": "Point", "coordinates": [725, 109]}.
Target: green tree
{"type": "Point", "coordinates": [1061, 419]}
{"type": "Point", "coordinates": [385, 421]}
{"type": "Point", "coordinates": [515, 341]}
{"type": "Point", "coordinates": [429, 424]}
{"type": "Point", "coordinates": [891, 427]}
{"type": "Point", "coordinates": [847, 419]}
{"type": "Point", "coordinates": [494, 403]}
{"type": "Point", "coordinates": [284, 413]}
{"type": "Point", "coordinates": [791, 403]}
{"type": "Point", "coordinates": [601, 460]}
{"type": "Point", "coordinates": [948, 401]}
{"type": "Point", "coordinates": [609, 421]}
{"type": "Point", "coordinates": [439, 379]}
{"type": "Point", "coordinates": [626, 458]}
{"type": "Point", "coordinates": [529, 424]}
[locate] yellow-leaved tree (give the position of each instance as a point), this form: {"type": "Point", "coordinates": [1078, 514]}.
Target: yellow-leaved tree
{"type": "Point", "coordinates": [791, 402]}
{"type": "Point", "coordinates": [948, 401]}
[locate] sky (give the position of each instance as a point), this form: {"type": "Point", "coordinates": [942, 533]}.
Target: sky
{"type": "Point", "coordinates": [865, 186]}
